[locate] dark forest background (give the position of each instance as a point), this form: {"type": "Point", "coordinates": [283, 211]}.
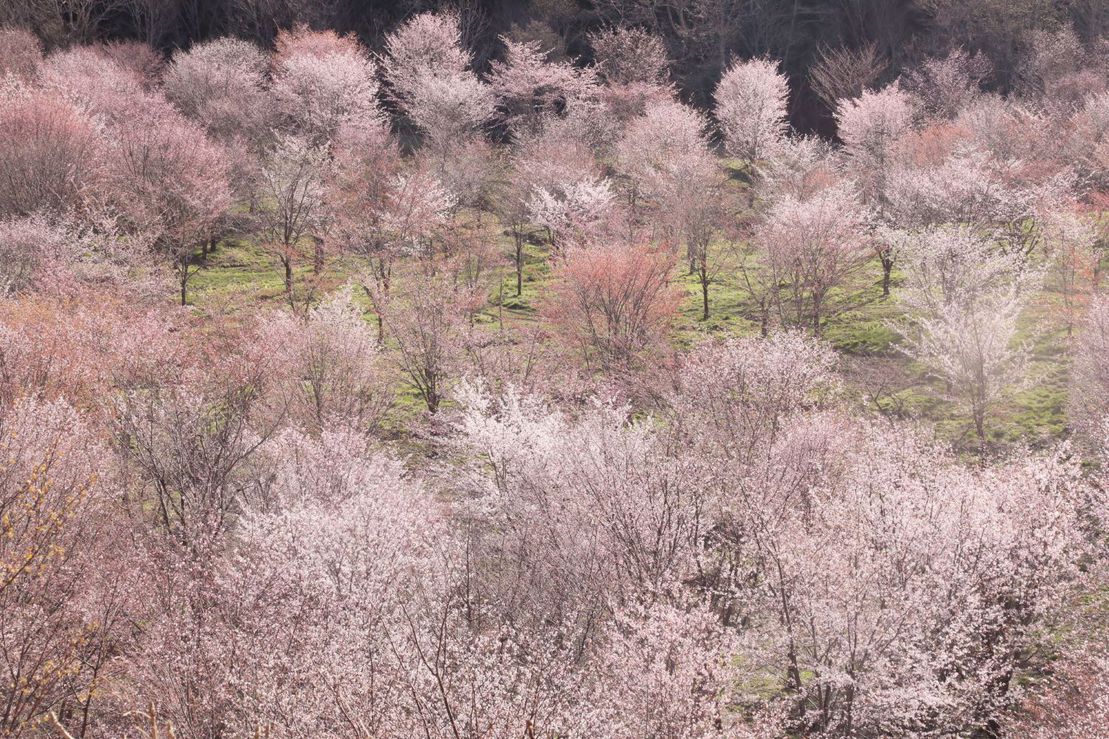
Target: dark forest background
{"type": "Point", "coordinates": [872, 39]}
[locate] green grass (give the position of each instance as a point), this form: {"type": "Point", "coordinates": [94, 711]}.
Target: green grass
{"type": "Point", "coordinates": [860, 324]}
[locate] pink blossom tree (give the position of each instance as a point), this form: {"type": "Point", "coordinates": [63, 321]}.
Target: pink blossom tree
{"type": "Point", "coordinates": [1087, 407]}
{"type": "Point", "coordinates": [294, 209]}
{"type": "Point", "coordinates": [60, 550]}
{"type": "Point", "coordinates": [428, 321]}
{"type": "Point", "coordinates": [330, 371]}
{"type": "Point", "coordinates": [220, 85]}
{"type": "Point", "coordinates": [50, 154]}
{"type": "Point", "coordinates": [322, 80]}
{"type": "Point", "coordinates": [527, 86]}
{"type": "Point", "coordinates": [946, 85]}
{"type": "Point", "coordinates": [32, 250]}
{"type": "Point", "coordinates": [630, 56]}
{"type": "Point", "coordinates": [429, 77]}
{"type": "Point", "coordinates": [964, 297]}
{"type": "Point", "coordinates": [614, 303]}
{"type": "Point", "coordinates": [869, 127]}
{"type": "Point", "coordinates": [666, 159]}
{"type": "Point", "coordinates": [169, 181]}
{"type": "Point", "coordinates": [810, 247]}
{"type": "Point", "coordinates": [20, 54]}
{"type": "Point", "coordinates": [751, 108]}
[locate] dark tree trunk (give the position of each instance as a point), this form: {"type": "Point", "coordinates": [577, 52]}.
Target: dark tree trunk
{"type": "Point", "coordinates": [704, 296]}
{"type": "Point", "coordinates": [184, 277]}
{"type": "Point", "coordinates": [519, 265]}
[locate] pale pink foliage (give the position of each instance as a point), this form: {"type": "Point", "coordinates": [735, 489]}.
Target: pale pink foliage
{"type": "Point", "coordinates": [811, 246]}
{"type": "Point", "coordinates": [630, 56]}
{"type": "Point", "coordinates": [168, 181]}
{"type": "Point", "coordinates": [330, 372]}
{"type": "Point", "coordinates": [429, 74]}
{"type": "Point", "coordinates": [50, 154]}
{"type": "Point", "coordinates": [61, 609]}
{"type": "Point", "coordinates": [800, 167]}
{"type": "Point", "coordinates": [574, 213]}
{"type": "Point", "coordinates": [737, 395]}
{"type": "Point", "coordinates": [965, 295]}
{"type": "Point", "coordinates": [966, 187]}
{"type": "Point", "coordinates": [31, 251]}
{"type": "Point", "coordinates": [664, 155]}
{"type": "Point", "coordinates": [868, 126]}
{"type": "Point", "coordinates": [94, 81]}
{"type": "Point", "coordinates": [322, 80]}
{"type": "Point", "coordinates": [137, 57]}
{"type": "Point", "coordinates": [751, 102]}
{"type": "Point", "coordinates": [20, 54]}
{"type": "Point", "coordinates": [1060, 69]}
{"type": "Point", "coordinates": [428, 322]}
{"type": "Point", "coordinates": [946, 85]}
{"type": "Point", "coordinates": [528, 86]}
{"type": "Point", "coordinates": [1088, 143]}
{"type": "Point", "coordinates": [928, 571]}
{"type": "Point", "coordinates": [294, 172]}
{"type": "Point", "coordinates": [614, 303]}
{"type": "Point", "coordinates": [1088, 407]}
{"type": "Point", "coordinates": [219, 84]}
{"type": "Point", "coordinates": [336, 574]}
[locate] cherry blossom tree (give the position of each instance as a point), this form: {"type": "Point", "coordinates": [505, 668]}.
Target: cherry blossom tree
{"type": "Point", "coordinates": [868, 126]}
{"type": "Point", "coordinates": [169, 181]}
{"type": "Point", "coordinates": [386, 211]}
{"type": "Point", "coordinates": [220, 85]}
{"type": "Point", "coordinates": [1069, 241]}
{"type": "Point", "coordinates": [1087, 407]}
{"type": "Point", "coordinates": [527, 86]}
{"type": "Point", "coordinates": [190, 446]}
{"type": "Point", "coordinates": [1088, 144]}
{"type": "Point", "coordinates": [751, 108]}
{"type": "Point", "coordinates": [614, 303]}
{"type": "Point", "coordinates": [337, 572]}
{"type": "Point", "coordinates": [429, 77]}
{"type": "Point", "coordinates": [30, 250]}
{"type": "Point", "coordinates": [322, 80]}
{"type": "Point", "coordinates": [62, 616]}
{"type": "Point", "coordinates": [810, 247]}
{"type": "Point", "coordinates": [946, 85]}
{"type": "Point", "coordinates": [845, 635]}
{"type": "Point", "coordinates": [965, 296]}
{"type": "Point", "coordinates": [95, 82]}
{"type": "Point", "coordinates": [20, 54]}
{"type": "Point", "coordinates": [293, 177]}
{"type": "Point", "coordinates": [50, 154]}
{"type": "Point", "coordinates": [330, 370]}
{"type": "Point", "coordinates": [575, 213]}
{"type": "Point", "coordinates": [629, 56]}
{"type": "Point", "coordinates": [666, 159]}
{"type": "Point", "coordinates": [427, 321]}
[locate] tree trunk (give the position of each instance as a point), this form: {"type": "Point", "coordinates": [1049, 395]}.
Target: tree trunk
{"type": "Point", "coordinates": [887, 267]}
{"type": "Point", "coordinates": [184, 276]}
{"type": "Point", "coordinates": [288, 263]}
{"type": "Point", "coordinates": [519, 266]}
{"type": "Point", "coordinates": [318, 257]}
{"type": "Point", "coordinates": [704, 296]}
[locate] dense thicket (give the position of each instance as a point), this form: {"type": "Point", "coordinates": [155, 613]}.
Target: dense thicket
{"type": "Point", "coordinates": [826, 47]}
{"type": "Point", "coordinates": [424, 393]}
